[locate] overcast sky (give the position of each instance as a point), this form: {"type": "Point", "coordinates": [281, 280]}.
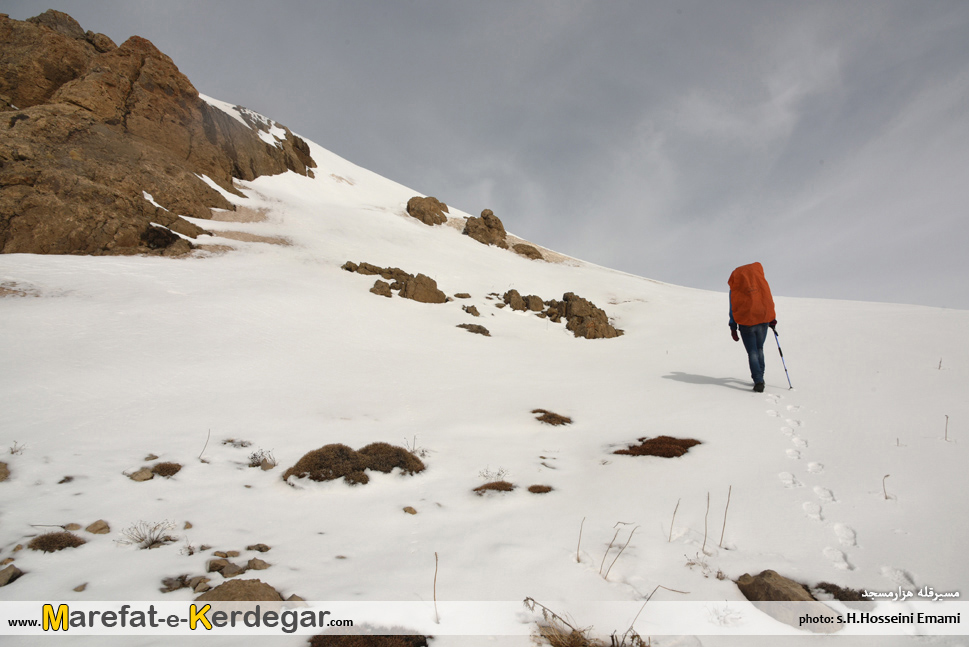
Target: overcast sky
{"type": "Point", "coordinates": [673, 140]}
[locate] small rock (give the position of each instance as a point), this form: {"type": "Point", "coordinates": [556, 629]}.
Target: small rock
{"type": "Point", "coordinates": [198, 579]}
{"type": "Point", "coordinates": [216, 565]}
{"type": "Point", "coordinates": [231, 553]}
{"type": "Point", "coordinates": [4, 471]}
{"type": "Point", "coordinates": [257, 564]}
{"type": "Point", "coordinates": [475, 328]}
{"type": "Point", "coordinates": [66, 479]}
{"type": "Point", "coordinates": [462, 295]}
{"type": "Point", "coordinates": [4, 562]}
{"type": "Point", "coordinates": [71, 527]}
{"type": "Point", "coordinates": [80, 588]}
{"type": "Point", "coordinates": [151, 457]}
{"type": "Point", "coordinates": [265, 465]}
{"type": "Point", "coordinates": [410, 510]}
{"type": "Point", "coordinates": [295, 598]}
{"type": "Point", "coordinates": [471, 310]}
{"type": "Point", "coordinates": [144, 474]}
{"type": "Point", "coordinates": [201, 587]}
{"type": "Point", "coordinates": [99, 527]}
{"type": "Point", "coordinates": [9, 574]}
{"type": "Point", "coordinates": [232, 570]}
{"type": "Point", "coordinates": [528, 251]}
{"type": "Point", "coordinates": [188, 524]}
{"type": "Point", "coordinates": [220, 553]}
{"type": "Point", "coordinates": [261, 548]}
{"type": "Point", "coordinates": [18, 548]}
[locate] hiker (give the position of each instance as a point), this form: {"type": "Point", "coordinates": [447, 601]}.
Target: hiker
{"type": "Point", "coordinates": [751, 311]}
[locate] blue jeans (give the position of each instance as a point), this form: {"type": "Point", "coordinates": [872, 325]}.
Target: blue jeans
{"type": "Point", "coordinates": [753, 338]}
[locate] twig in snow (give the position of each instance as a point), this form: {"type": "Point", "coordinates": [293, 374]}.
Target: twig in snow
{"type": "Point", "coordinates": [606, 576]}
{"type": "Point", "coordinates": [673, 520]}
{"type": "Point", "coordinates": [703, 548]}
{"type": "Point", "coordinates": [577, 560]}
{"type": "Point", "coordinates": [437, 617]}
{"type": "Point", "coordinates": [206, 444]}
{"type": "Point", "coordinates": [725, 516]}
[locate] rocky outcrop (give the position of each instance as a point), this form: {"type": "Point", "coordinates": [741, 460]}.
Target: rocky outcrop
{"type": "Point", "coordinates": [100, 141]}
{"type": "Point", "coordinates": [487, 229]}
{"type": "Point", "coordinates": [582, 317]}
{"type": "Point", "coordinates": [418, 288]}
{"type": "Point", "coordinates": [430, 210]}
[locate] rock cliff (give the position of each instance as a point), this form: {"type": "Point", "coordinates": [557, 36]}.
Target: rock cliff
{"type": "Point", "coordinates": [103, 147]}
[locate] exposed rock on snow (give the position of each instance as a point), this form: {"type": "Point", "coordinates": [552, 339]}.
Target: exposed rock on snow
{"type": "Point", "coordinates": [241, 591]}
{"type": "Point", "coordinates": [418, 288]}
{"type": "Point", "coordinates": [487, 229]}
{"type": "Point", "coordinates": [144, 474]}
{"type": "Point", "coordinates": [96, 127]}
{"type": "Point", "coordinates": [99, 527]}
{"type": "Point", "coordinates": [9, 574]}
{"type": "Point", "coordinates": [4, 471]}
{"type": "Point", "coordinates": [429, 210]}
{"type": "Point", "coordinates": [528, 251]}
{"type": "Point", "coordinates": [771, 593]}
{"type": "Point", "coordinates": [475, 328]}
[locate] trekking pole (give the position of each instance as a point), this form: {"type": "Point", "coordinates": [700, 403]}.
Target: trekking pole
{"type": "Point", "coordinates": [782, 359]}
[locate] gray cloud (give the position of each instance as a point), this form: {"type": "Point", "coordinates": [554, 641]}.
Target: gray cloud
{"type": "Point", "coordinates": [675, 140]}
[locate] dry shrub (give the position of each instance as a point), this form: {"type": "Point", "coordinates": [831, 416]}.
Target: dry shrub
{"type": "Point", "coordinates": [550, 418]}
{"type": "Point", "coordinates": [841, 593]}
{"type": "Point", "coordinates": [664, 446]}
{"type": "Point", "coordinates": [369, 641]}
{"type": "Point", "coordinates": [166, 469]}
{"type": "Point", "coordinates": [556, 635]}
{"type": "Point", "coordinates": [335, 461]}
{"type": "Point", "coordinates": [539, 489]}
{"type": "Point", "coordinates": [54, 541]}
{"type": "Point", "coordinates": [384, 457]}
{"type": "Point", "coordinates": [328, 463]}
{"type": "Point", "coordinates": [496, 486]}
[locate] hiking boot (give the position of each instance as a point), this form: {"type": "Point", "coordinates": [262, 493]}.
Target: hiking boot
{"type": "Point", "coordinates": [759, 387]}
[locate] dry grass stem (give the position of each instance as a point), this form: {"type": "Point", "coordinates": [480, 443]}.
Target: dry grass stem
{"type": "Point", "coordinates": [579, 545]}
{"type": "Point", "coordinates": [725, 508]}
{"type": "Point", "coordinates": [703, 548]}
{"type": "Point", "coordinates": [673, 520]}
{"type": "Point", "coordinates": [606, 576]}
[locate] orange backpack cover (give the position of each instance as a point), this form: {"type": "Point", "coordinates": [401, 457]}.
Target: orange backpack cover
{"type": "Point", "coordinates": [750, 298]}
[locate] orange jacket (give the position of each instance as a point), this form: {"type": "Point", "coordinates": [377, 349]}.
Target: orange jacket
{"type": "Point", "coordinates": [751, 302]}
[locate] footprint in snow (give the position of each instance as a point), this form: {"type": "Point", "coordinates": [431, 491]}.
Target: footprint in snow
{"type": "Point", "coordinates": [793, 408]}
{"type": "Point", "coordinates": [838, 559]}
{"type": "Point", "coordinates": [815, 468]}
{"type": "Point", "coordinates": [898, 577]}
{"type": "Point", "coordinates": [826, 495]}
{"type": "Point", "coordinates": [773, 414]}
{"type": "Point", "coordinates": [846, 534]}
{"type": "Point", "coordinates": [812, 510]}
{"type": "Point", "coordinates": [787, 431]}
{"type": "Point", "coordinates": [789, 480]}
{"type": "Point", "coordinates": [793, 453]}
{"type": "Point", "coordinates": [793, 423]}
{"type": "Point", "coordinates": [799, 442]}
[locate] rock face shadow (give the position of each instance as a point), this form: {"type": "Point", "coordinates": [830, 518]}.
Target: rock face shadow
{"type": "Point", "coordinates": [727, 382]}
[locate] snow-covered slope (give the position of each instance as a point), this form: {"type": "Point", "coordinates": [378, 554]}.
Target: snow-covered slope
{"type": "Point", "coordinates": [108, 359]}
